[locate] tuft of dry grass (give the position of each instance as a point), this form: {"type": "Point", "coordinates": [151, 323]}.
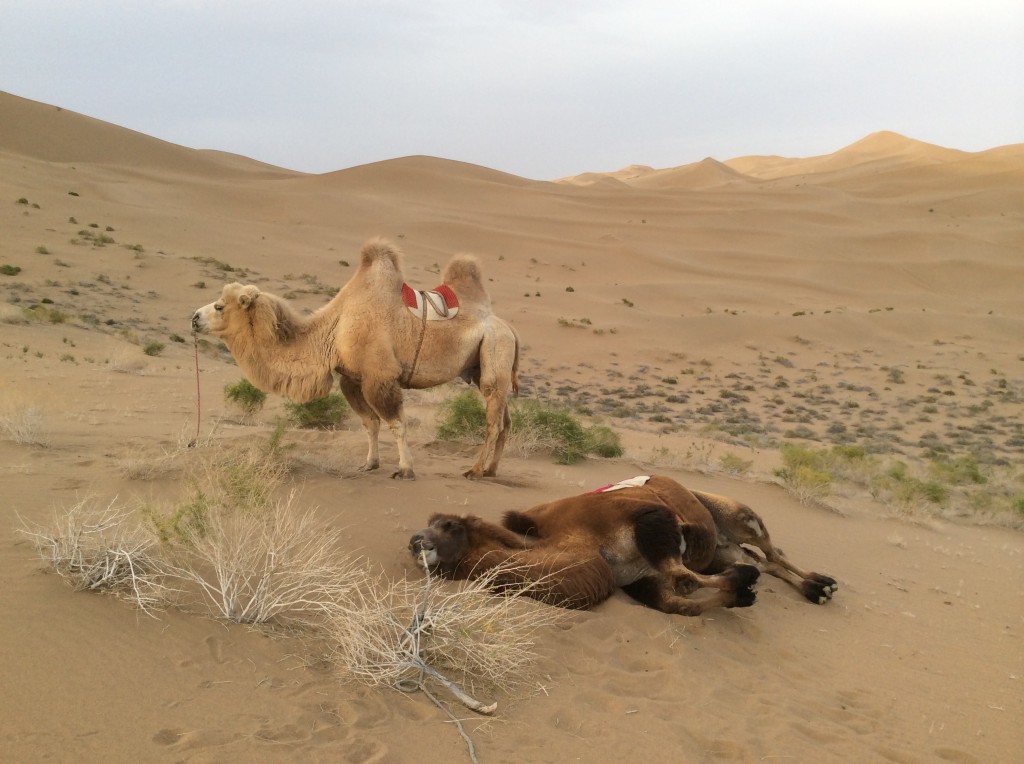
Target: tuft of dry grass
{"type": "Point", "coordinates": [23, 426]}
{"type": "Point", "coordinates": [101, 548]}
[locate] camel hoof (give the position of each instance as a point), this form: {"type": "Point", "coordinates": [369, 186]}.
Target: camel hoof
{"type": "Point", "coordinates": [368, 467]}
{"type": "Point", "coordinates": [745, 576]}
{"type": "Point", "coordinates": [819, 589]}
{"type": "Point", "coordinates": [406, 474]}
{"type": "Point", "coordinates": [472, 474]}
{"type": "Point", "coordinates": [745, 598]}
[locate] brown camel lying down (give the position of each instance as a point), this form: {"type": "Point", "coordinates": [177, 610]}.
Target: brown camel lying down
{"type": "Point", "coordinates": [672, 549]}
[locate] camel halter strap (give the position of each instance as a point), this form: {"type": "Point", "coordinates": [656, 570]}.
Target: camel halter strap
{"type": "Point", "coordinates": [195, 345]}
{"type": "Point", "coordinates": [419, 345]}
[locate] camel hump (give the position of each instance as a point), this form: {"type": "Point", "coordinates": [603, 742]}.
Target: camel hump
{"type": "Point", "coordinates": [380, 251]}
{"type": "Point", "coordinates": [463, 275]}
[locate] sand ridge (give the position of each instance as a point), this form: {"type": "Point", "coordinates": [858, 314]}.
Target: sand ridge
{"type": "Point", "coordinates": [869, 297]}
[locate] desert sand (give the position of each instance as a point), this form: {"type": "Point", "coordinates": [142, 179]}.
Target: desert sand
{"type": "Point", "coordinates": [871, 296]}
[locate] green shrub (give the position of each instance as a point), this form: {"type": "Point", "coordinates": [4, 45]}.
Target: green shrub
{"type": "Point", "coordinates": [805, 472]}
{"type": "Point", "coordinates": [463, 417]}
{"type": "Point", "coordinates": [245, 396]}
{"type": "Point", "coordinates": [604, 442]}
{"type": "Point", "coordinates": [323, 413]}
{"type": "Point", "coordinates": [153, 348]}
{"type": "Point", "coordinates": [43, 313]}
{"type": "Point", "coordinates": [10, 270]}
{"type": "Point", "coordinates": [963, 469]}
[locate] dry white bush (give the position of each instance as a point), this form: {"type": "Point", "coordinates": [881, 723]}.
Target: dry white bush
{"type": "Point", "coordinates": [24, 426]}
{"type": "Point", "coordinates": [398, 632]}
{"type": "Point", "coordinates": [103, 548]}
{"type": "Point", "coordinates": [276, 564]}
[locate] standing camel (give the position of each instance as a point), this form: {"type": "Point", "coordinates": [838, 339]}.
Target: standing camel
{"type": "Point", "coordinates": [369, 334]}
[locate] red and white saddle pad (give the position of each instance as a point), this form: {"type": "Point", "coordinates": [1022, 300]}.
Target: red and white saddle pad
{"type": "Point", "coordinates": [438, 304]}
{"type": "Point", "coordinates": [633, 482]}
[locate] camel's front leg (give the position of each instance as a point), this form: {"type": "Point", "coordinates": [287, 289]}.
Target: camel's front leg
{"type": "Point", "coordinates": [384, 397]}
{"type": "Point", "coordinates": [405, 471]}
{"type": "Point", "coordinates": [371, 422]}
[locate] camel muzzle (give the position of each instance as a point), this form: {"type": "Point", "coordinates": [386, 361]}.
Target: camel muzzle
{"type": "Point", "coordinates": [419, 543]}
{"type": "Point", "coordinates": [195, 321]}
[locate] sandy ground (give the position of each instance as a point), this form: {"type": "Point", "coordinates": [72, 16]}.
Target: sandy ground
{"type": "Point", "coordinates": [870, 297]}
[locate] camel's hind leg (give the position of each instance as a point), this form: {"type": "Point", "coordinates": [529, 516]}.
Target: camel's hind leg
{"type": "Point", "coordinates": [499, 360]}
{"type": "Point", "coordinates": [674, 588]}
{"type": "Point", "coordinates": [739, 525]}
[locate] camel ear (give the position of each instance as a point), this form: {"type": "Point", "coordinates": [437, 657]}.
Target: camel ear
{"type": "Point", "coordinates": [248, 295]}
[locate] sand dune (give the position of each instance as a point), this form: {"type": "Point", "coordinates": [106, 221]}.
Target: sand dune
{"type": "Point", "coordinates": [709, 313]}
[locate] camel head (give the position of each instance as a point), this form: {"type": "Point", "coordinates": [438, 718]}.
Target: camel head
{"type": "Point", "coordinates": [445, 541]}
{"type": "Point", "coordinates": [218, 318]}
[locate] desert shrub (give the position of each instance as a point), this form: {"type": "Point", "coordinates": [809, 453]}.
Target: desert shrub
{"type": "Point", "coordinates": [462, 417]}
{"type": "Point", "coordinates": [245, 480]}
{"type": "Point", "coordinates": [102, 548]}
{"type": "Point", "coordinates": [556, 428]}
{"type": "Point", "coordinates": [534, 427]}
{"type": "Point", "coordinates": [10, 270]}
{"type": "Point", "coordinates": [960, 470]}
{"type": "Point", "coordinates": [398, 629]}
{"type": "Point", "coordinates": [266, 565]}
{"type": "Point", "coordinates": [153, 348]}
{"type": "Point", "coordinates": [245, 396]}
{"type": "Point", "coordinates": [734, 464]}
{"type": "Point", "coordinates": [325, 413]}
{"type": "Point", "coordinates": [805, 473]}
{"type": "Point", "coordinates": [23, 425]}
{"type": "Point", "coordinates": [44, 313]}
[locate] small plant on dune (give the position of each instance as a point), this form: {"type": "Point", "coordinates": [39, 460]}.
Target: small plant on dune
{"type": "Point", "coordinates": [958, 471]}
{"type": "Point", "coordinates": [245, 396]}
{"type": "Point", "coordinates": [10, 270]}
{"type": "Point", "coordinates": [734, 465]}
{"type": "Point", "coordinates": [325, 413]}
{"type": "Point", "coordinates": [805, 473]}
{"type": "Point", "coordinates": [47, 314]}
{"type": "Point", "coordinates": [153, 348]}
{"type": "Point", "coordinates": [245, 480]}
{"type": "Point", "coordinates": [102, 548]}
{"type": "Point", "coordinates": [908, 492]}
{"type": "Point", "coordinates": [23, 426]}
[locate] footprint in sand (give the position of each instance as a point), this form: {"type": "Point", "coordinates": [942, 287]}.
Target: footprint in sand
{"type": "Point", "coordinates": [216, 646]}
{"type": "Point", "coordinates": [167, 736]}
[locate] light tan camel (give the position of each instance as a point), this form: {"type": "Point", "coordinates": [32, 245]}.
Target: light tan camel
{"type": "Point", "coordinates": [675, 550]}
{"type": "Point", "coordinates": [377, 346]}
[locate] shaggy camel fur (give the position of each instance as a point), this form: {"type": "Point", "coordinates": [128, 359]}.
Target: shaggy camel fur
{"type": "Point", "coordinates": [377, 347]}
{"type": "Point", "coordinates": [671, 549]}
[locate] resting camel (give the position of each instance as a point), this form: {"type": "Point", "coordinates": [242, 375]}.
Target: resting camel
{"type": "Point", "coordinates": [370, 336]}
{"type": "Point", "coordinates": [672, 549]}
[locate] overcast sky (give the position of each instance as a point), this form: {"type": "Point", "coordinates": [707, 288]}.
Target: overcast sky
{"type": "Point", "coordinates": [538, 88]}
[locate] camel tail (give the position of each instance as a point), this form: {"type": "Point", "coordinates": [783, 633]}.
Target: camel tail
{"type": "Point", "coordinates": [515, 364]}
